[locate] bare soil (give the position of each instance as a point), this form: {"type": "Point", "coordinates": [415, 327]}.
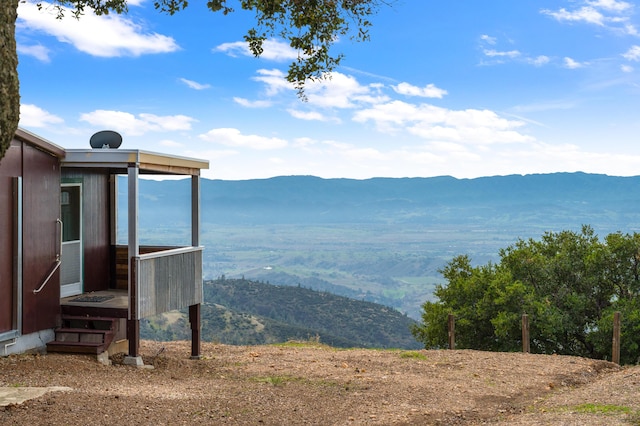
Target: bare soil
{"type": "Point", "coordinates": [311, 384]}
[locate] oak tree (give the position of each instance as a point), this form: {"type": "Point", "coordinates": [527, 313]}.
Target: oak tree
{"type": "Point", "coordinates": [568, 283]}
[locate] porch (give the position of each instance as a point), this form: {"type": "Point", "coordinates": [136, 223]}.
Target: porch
{"type": "Point", "coordinates": [124, 283]}
{"type": "Point", "coordinates": [166, 278]}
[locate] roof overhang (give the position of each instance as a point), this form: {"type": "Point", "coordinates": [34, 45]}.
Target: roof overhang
{"type": "Point", "coordinates": [118, 161]}
{"type": "Point", "coordinates": [40, 143]}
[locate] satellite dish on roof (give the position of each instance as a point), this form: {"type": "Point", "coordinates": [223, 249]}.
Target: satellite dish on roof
{"type": "Point", "coordinates": [106, 139]}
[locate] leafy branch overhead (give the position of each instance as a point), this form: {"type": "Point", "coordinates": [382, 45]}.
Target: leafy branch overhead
{"type": "Point", "coordinates": [310, 26]}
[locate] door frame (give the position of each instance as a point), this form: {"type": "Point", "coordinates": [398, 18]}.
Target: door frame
{"type": "Point", "coordinates": [74, 288]}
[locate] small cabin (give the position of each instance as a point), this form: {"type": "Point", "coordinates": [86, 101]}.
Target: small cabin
{"type": "Point", "coordinates": [66, 285]}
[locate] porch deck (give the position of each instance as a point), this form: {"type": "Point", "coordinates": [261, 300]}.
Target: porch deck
{"type": "Point", "coordinates": [108, 303]}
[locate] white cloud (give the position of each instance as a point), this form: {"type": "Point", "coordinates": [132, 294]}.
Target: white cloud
{"type": "Point", "coordinates": [34, 116]}
{"type": "Point", "coordinates": [252, 104]}
{"type": "Point", "coordinates": [234, 138]}
{"type": "Point", "coordinates": [611, 14]}
{"type": "Point", "coordinates": [571, 64]}
{"type": "Point", "coordinates": [335, 90]}
{"type": "Point", "coordinates": [275, 81]}
{"type": "Point", "coordinates": [104, 36]}
{"type": "Point", "coordinates": [488, 39]}
{"type": "Point", "coordinates": [38, 51]}
{"type": "Point", "coordinates": [633, 54]}
{"type": "Point", "coordinates": [433, 123]}
{"type": "Point", "coordinates": [499, 56]}
{"type": "Point", "coordinates": [273, 50]}
{"type": "Point", "coordinates": [429, 91]}
{"type": "Point", "coordinates": [611, 5]}
{"type": "Point", "coordinates": [492, 53]}
{"type": "Point", "coordinates": [338, 90]}
{"type": "Point", "coordinates": [626, 68]}
{"type": "Point", "coordinates": [194, 84]}
{"type": "Point", "coordinates": [132, 125]}
{"type": "Point", "coordinates": [584, 14]}
{"type": "Point", "coordinates": [539, 61]}
{"type": "Point", "coordinates": [307, 115]}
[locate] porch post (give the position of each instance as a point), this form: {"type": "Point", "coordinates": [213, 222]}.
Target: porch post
{"type": "Point", "coordinates": [133, 322]}
{"type": "Point", "coordinates": [195, 210]}
{"type": "Point", "coordinates": [113, 209]}
{"type": "Point", "coordinates": [194, 310]}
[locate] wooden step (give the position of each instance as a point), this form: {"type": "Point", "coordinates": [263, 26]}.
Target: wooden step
{"type": "Point", "coordinates": [88, 323]}
{"type": "Point", "coordinates": [76, 347]}
{"type": "Point", "coordinates": [83, 334]}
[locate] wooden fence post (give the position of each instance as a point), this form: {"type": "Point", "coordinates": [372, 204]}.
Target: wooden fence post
{"type": "Point", "coordinates": [526, 348]}
{"type": "Point", "coordinates": [615, 350]}
{"type": "Point", "coordinates": [452, 331]}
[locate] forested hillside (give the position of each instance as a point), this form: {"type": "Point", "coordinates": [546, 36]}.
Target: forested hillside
{"type": "Point", "coordinates": [238, 311]}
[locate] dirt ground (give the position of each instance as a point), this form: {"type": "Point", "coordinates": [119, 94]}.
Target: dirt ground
{"type": "Point", "coordinates": [310, 384]}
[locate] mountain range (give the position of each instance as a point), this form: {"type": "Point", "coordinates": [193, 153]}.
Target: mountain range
{"type": "Point", "coordinates": [560, 197]}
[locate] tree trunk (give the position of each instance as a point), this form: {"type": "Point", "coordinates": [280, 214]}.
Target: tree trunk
{"type": "Point", "coordinates": [9, 85]}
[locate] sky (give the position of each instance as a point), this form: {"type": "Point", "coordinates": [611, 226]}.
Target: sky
{"type": "Point", "coordinates": [466, 88]}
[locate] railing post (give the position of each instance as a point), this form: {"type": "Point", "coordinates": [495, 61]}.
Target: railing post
{"type": "Point", "coordinates": [615, 350]}
{"type": "Point", "coordinates": [526, 348]}
{"type": "Point", "coordinates": [194, 319]}
{"type": "Point", "coordinates": [452, 331]}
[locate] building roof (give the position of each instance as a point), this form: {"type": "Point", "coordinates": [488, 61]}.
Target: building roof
{"type": "Point", "coordinates": [118, 161]}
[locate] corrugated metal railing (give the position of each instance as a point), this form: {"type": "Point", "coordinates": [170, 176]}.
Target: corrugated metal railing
{"type": "Point", "coordinates": [167, 280]}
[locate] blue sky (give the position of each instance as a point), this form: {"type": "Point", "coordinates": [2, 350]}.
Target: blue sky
{"type": "Point", "coordinates": [466, 88]}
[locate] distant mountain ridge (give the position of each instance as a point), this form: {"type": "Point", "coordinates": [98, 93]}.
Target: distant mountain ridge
{"type": "Point", "coordinates": [446, 200]}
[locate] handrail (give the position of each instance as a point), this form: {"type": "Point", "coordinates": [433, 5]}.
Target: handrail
{"type": "Point", "coordinates": [170, 252]}
{"type": "Point", "coordinates": [56, 263]}
{"type": "Point", "coordinates": [56, 266]}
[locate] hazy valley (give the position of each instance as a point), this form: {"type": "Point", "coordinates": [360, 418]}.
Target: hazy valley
{"type": "Point", "coordinates": [380, 240]}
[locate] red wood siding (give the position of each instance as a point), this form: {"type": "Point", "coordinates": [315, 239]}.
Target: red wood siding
{"type": "Point", "coordinates": [10, 167]}
{"type": "Point", "coordinates": [41, 204]}
{"type": "Point", "coordinates": [95, 227]}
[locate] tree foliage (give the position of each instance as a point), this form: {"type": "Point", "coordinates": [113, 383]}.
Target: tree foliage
{"type": "Point", "coordinates": [310, 26]}
{"type": "Point", "coordinates": [569, 283]}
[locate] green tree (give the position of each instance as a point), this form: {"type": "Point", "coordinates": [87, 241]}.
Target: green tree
{"type": "Point", "coordinates": [566, 272]}
{"type": "Point", "coordinates": [310, 26]}
{"type": "Point", "coordinates": [486, 302]}
{"type": "Point", "coordinates": [569, 283]}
